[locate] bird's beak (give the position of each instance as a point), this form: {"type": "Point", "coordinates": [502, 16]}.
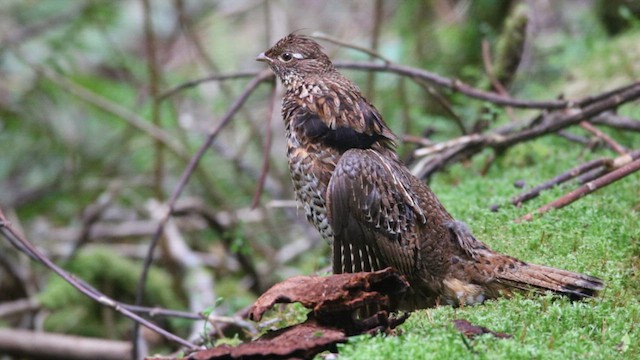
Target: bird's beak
{"type": "Point", "coordinates": [264, 58]}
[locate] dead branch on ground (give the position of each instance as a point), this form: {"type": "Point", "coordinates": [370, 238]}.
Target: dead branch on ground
{"type": "Point", "coordinates": [628, 166]}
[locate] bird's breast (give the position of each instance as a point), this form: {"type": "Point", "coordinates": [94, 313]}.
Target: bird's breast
{"type": "Point", "coordinates": [311, 168]}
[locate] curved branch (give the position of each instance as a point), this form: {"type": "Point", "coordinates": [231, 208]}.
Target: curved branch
{"type": "Point", "coordinates": [454, 84]}
{"type": "Point", "coordinates": [370, 52]}
{"type": "Point", "coordinates": [196, 82]}
{"type": "Point", "coordinates": [24, 245]}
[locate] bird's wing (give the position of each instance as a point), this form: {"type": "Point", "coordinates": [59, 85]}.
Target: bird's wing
{"type": "Point", "coordinates": [372, 212]}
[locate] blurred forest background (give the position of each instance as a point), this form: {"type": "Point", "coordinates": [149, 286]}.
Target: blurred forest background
{"type": "Point", "coordinates": [96, 132]}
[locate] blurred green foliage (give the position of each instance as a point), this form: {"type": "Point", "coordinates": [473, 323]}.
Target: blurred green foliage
{"type": "Point", "coordinates": [116, 277]}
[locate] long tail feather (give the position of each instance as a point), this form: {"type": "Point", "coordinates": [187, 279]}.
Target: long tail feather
{"type": "Point", "coordinates": [511, 272]}
{"type": "Point", "coordinates": [531, 276]}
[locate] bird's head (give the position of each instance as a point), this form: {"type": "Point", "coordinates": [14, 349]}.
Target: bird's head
{"type": "Point", "coordinates": [296, 57]}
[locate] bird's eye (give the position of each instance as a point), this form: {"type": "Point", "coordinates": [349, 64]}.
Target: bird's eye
{"type": "Point", "coordinates": [286, 57]}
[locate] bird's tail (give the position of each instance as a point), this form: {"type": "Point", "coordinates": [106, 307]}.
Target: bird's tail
{"type": "Point", "coordinates": [539, 277]}
{"type": "Point", "coordinates": [510, 272]}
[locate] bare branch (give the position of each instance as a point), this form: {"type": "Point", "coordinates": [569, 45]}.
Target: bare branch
{"type": "Point", "coordinates": [586, 189]}
{"type": "Point", "coordinates": [455, 85]}
{"type": "Point", "coordinates": [501, 139]}
{"type": "Point", "coordinates": [28, 248]}
{"type": "Point", "coordinates": [571, 117]}
{"type": "Point", "coordinates": [578, 170]}
{"type": "Point", "coordinates": [42, 345]}
{"type": "Point", "coordinates": [10, 308]}
{"type": "Point", "coordinates": [616, 121]}
{"type": "Point", "coordinates": [372, 53]}
{"type": "Point", "coordinates": [488, 68]}
{"type": "Point", "coordinates": [606, 138]}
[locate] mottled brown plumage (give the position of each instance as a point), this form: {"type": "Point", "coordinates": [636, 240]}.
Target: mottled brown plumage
{"type": "Point", "coordinates": [355, 190]}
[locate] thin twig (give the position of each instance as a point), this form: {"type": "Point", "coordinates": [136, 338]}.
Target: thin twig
{"type": "Point", "coordinates": [378, 11]}
{"type": "Point", "coordinates": [573, 117]}
{"type": "Point", "coordinates": [154, 89]}
{"type": "Point", "coordinates": [617, 162]}
{"type": "Point", "coordinates": [28, 344]}
{"type": "Point", "coordinates": [158, 164]}
{"type": "Point", "coordinates": [585, 189]}
{"type": "Point", "coordinates": [606, 138]}
{"type": "Point", "coordinates": [488, 68]}
{"type": "Point", "coordinates": [372, 53]}
{"type": "Point", "coordinates": [266, 150]}
{"type": "Point", "coordinates": [235, 320]}
{"type": "Point", "coordinates": [442, 146]}
{"type": "Point", "coordinates": [11, 308]}
{"type": "Point", "coordinates": [444, 104]}
{"type": "Point", "coordinates": [419, 140]}
{"type": "Point", "coordinates": [194, 83]}
{"type": "Point", "coordinates": [157, 312]}
{"type": "Point", "coordinates": [240, 314]}
{"type": "Point", "coordinates": [582, 140]}
{"type": "Point", "coordinates": [578, 170]}
{"type": "Point", "coordinates": [452, 84]}
{"type": "Point", "coordinates": [607, 94]}
{"type": "Point", "coordinates": [90, 215]}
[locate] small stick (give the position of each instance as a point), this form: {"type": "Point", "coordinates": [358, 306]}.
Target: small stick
{"type": "Point", "coordinates": [606, 138]}
{"type": "Point", "coordinates": [444, 103]}
{"type": "Point", "coordinates": [586, 189]}
{"type": "Point", "coordinates": [618, 162]}
{"type": "Point", "coordinates": [578, 170]}
{"type": "Point", "coordinates": [616, 121]}
{"type": "Point", "coordinates": [488, 69]}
